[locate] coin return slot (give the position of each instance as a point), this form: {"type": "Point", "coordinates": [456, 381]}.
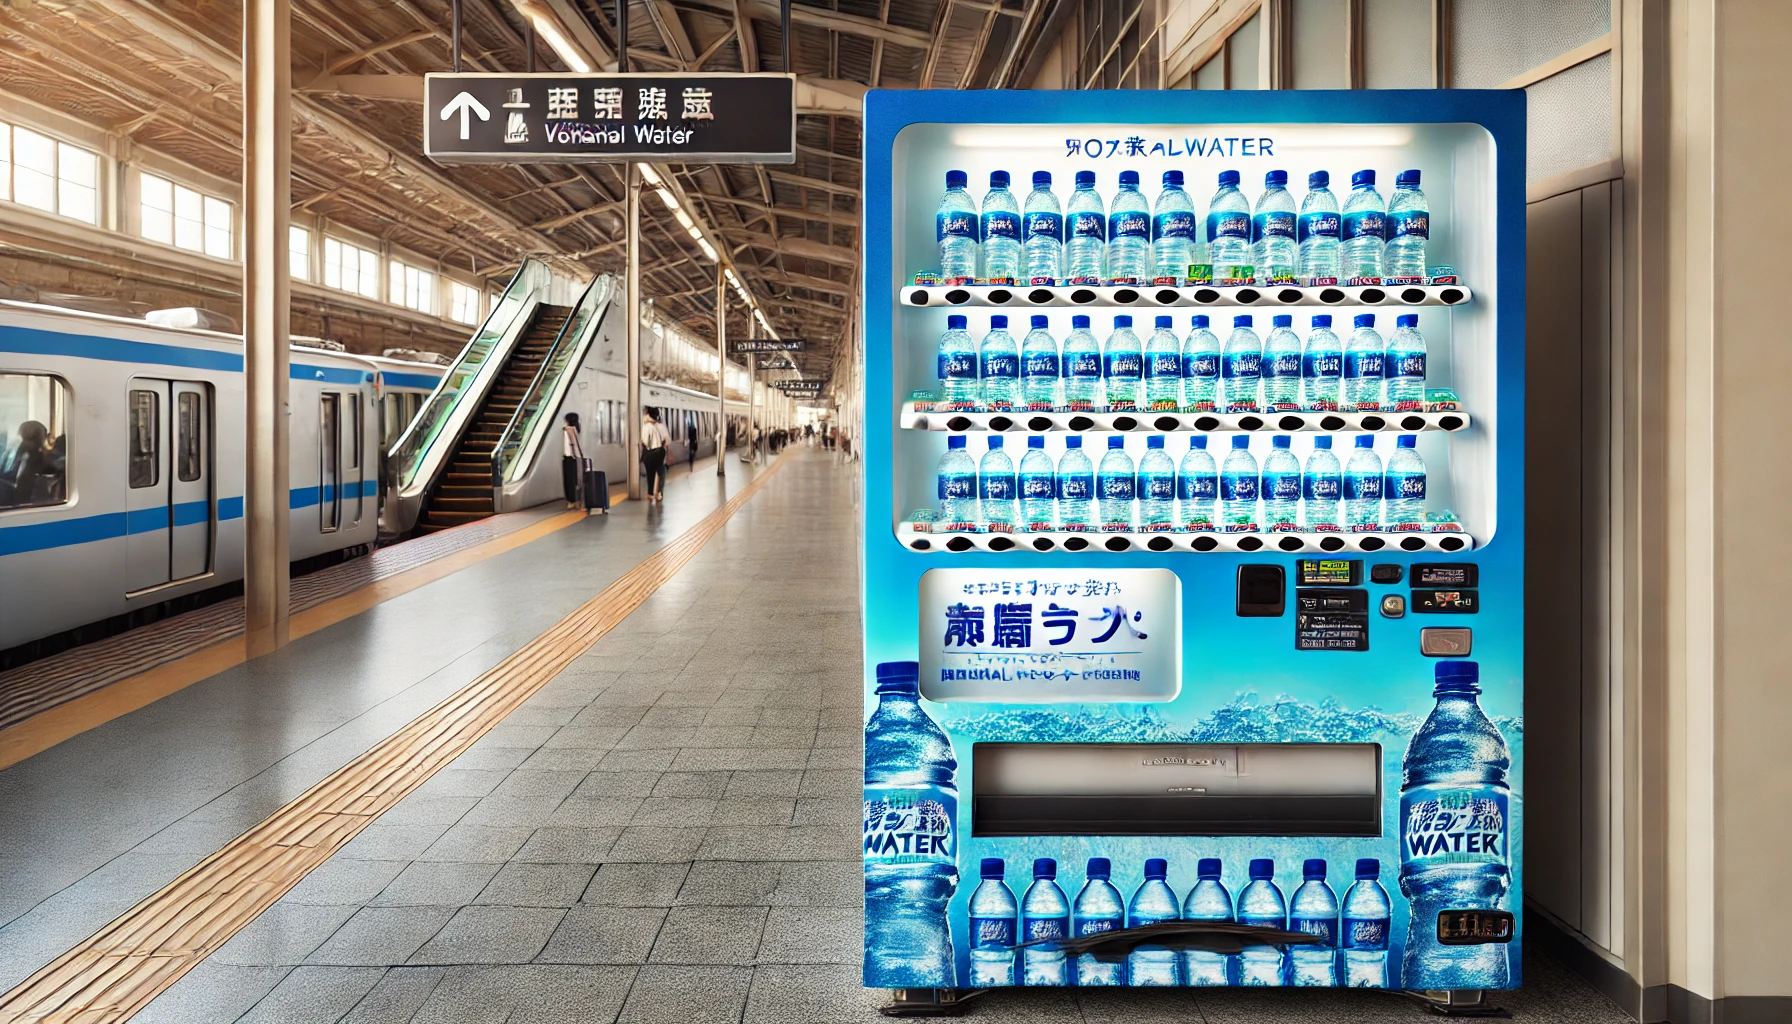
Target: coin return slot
{"type": "Point", "coordinates": [958, 296]}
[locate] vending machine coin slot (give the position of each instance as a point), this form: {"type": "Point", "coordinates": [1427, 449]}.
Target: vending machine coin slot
{"type": "Point", "coordinates": [1260, 591]}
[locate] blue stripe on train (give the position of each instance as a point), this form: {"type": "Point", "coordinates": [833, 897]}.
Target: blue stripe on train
{"type": "Point", "coordinates": [33, 341]}
{"type": "Point", "coordinates": [420, 381]}
{"type": "Point", "coordinates": [106, 526]}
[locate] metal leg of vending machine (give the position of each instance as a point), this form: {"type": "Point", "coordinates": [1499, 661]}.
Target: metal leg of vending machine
{"type": "Point", "coordinates": [1472, 1002]}
{"type": "Point", "coordinates": [930, 1002]}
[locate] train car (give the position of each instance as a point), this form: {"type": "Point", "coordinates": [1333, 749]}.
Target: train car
{"type": "Point", "coordinates": [404, 385]}
{"type": "Point", "coordinates": [688, 416]}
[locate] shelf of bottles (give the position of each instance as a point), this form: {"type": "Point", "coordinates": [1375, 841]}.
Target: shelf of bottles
{"type": "Point", "coordinates": [921, 415]}
{"type": "Point", "coordinates": [1130, 297]}
{"type": "Point", "coordinates": [933, 537]}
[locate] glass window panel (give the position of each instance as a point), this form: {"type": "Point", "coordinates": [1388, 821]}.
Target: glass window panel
{"type": "Point", "coordinates": [33, 440]}
{"type": "Point", "coordinates": [1397, 44]}
{"type": "Point", "coordinates": [189, 219]}
{"type": "Point", "coordinates": [332, 263]}
{"type": "Point", "coordinates": [1241, 51]}
{"type": "Point", "coordinates": [5, 161]}
{"type": "Point", "coordinates": [1569, 120]}
{"type": "Point", "coordinates": [158, 225]}
{"type": "Point", "coordinates": [34, 169]}
{"type": "Point", "coordinates": [217, 228]}
{"type": "Point", "coordinates": [156, 207]}
{"type": "Point", "coordinates": [298, 253]}
{"type": "Point", "coordinates": [1320, 61]}
{"type": "Point", "coordinates": [188, 445]}
{"type": "Point", "coordinates": [370, 274]}
{"type": "Point", "coordinates": [395, 282]}
{"type": "Point", "coordinates": [1211, 75]}
{"type": "Point", "coordinates": [145, 470]}
{"type": "Point", "coordinates": [1492, 43]}
{"type": "Point", "coordinates": [77, 166]}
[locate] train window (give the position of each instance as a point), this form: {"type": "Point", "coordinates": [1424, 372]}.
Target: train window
{"type": "Point", "coordinates": [354, 432]}
{"type": "Point", "coordinates": [33, 440]}
{"type": "Point", "coordinates": [146, 429]}
{"type": "Point", "coordinates": [189, 450]}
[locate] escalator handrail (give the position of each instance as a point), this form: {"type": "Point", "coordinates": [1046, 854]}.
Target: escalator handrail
{"type": "Point", "coordinates": [574, 338]}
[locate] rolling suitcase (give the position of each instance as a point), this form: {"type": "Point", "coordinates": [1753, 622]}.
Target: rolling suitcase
{"type": "Point", "coordinates": [597, 489]}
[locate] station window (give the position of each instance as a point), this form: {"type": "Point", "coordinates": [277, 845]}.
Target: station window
{"type": "Point", "coordinates": [351, 268]}
{"type": "Point", "coordinates": [298, 252]}
{"type": "Point", "coordinates": [185, 218]}
{"type": "Point", "coordinates": [413, 288]}
{"type": "Point", "coordinates": [42, 173]}
{"type": "Point", "coordinates": [33, 440]}
{"type": "Point", "coordinates": [463, 303]}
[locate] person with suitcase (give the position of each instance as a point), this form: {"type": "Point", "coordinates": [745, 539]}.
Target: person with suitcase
{"type": "Point", "coordinates": [572, 462]}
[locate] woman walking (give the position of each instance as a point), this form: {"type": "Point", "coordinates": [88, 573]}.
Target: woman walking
{"type": "Point", "coordinates": [654, 440]}
{"type": "Point", "coordinates": [572, 462]}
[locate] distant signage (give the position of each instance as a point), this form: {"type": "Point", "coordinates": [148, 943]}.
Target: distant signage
{"type": "Point", "coordinates": [596, 118]}
{"type": "Point", "coordinates": [797, 387]}
{"type": "Point", "coordinates": [775, 363]}
{"type": "Point", "coordinates": [768, 345]}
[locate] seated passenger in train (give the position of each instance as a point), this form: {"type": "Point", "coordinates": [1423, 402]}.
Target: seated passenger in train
{"type": "Point", "coordinates": [34, 470]}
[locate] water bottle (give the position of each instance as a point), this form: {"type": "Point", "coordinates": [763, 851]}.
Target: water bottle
{"type": "Point", "coordinates": [1000, 230]}
{"type": "Point", "coordinates": [1409, 228]}
{"type": "Point", "coordinates": [911, 847]}
{"type": "Point", "coordinates": [1273, 247]}
{"type": "Point", "coordinates": [1365, 359]}
{"type": "Point", "coordinates": [1117, 485]}
{"type": "Point", "coordinates": [1200, 367]}
{"type": "Point", "coordinates": [1098, 909]}
{"type": "Point", "coordinates": [1241, 368]}
{"type": "Point", "coordinates": [1318, 231]}
{"type": "Point", "coordinates": [1045, 914]}
{"type": "Point", "coordinates": [1197, 486]}
{"type": "Point", "coordinates": [956, 227]}
{"type": "Point", "coordinates": [992, 913]}
{"type": "Point", "coordinates": [1153, 902]}
{"type": "Point", "coordinates": [1228, 228]}
{"type": "Point", "coordinates": [1321, 367]}
{"type": "Point", "coordinates": [1039, 367]}
{"type": "Point", "coordinates": [1261, 903]}
{"type": "Point", "coordinates": [1362, 487]}
{"type": "Point", "coordinates": [959, 387]}
{"type": "Point", "coordinates": [1403, 487]}
{"type": "Point", "coordinates": [1081, 367]}
{"type": "Point", "coordinates": [1043, 225]}
{"type": "Point", "coordinates": [958, 486]}
{"type": "Point", "coordinates": [1173, 231]}
{"type": "Point", "coordinates": [1157, 488]}
{"type": "Point", "coordinates": [1454, 843]}
{"type": "Point", "coordinates": [1281, 488]}
{"type": "Point", "coordinates": [1238, 488]}
{"type": "Point", "coordinates": [1404, 366]}
{"type": "Point", "coordinates": [1321, 485]}
{"type": "Point", "coordinates": [1314, 910]}
{"type": "Point", "coordinates": [1086, 235]}
{"type": "Point", "coordinates": [1364, 930]}
{"type": "Point", "coordinates": [1163, 367]}
{"type": "Point", "coordinates": [995, 487]}
{"type": "Point", "coordinates": [1076, 488]}
{"type": "Point", "coordinates": [1281, 366]}
{"type": "Point", "coordinates": [1038, 486]}
{"type": "Point", "coordinates": [1363, 230]}
{"type": "Point", "coordinates": [1122, 367]}
{"type": "Point", "coordinates": [1129, 233]}
{"type": "Point", "coordinates": [1207, 901]}
{"type": "Point", "coordinates": [999, 364]}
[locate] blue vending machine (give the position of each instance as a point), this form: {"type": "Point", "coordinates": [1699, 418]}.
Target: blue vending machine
{"type": "Point", "coordinates": [1193, 539]}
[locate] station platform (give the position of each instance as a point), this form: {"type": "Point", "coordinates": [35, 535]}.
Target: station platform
{"type": "Point", "coordinates": [610, 773]}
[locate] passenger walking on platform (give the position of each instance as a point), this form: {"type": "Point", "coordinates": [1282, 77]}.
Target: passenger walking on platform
{"type": "Point", "coordinates": [572, 462]}
{"type": "Point", "coordinates": [654, 440]}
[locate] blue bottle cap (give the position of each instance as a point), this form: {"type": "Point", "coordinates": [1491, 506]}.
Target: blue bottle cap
{"type": "Point", "coordinates": [955, 442]}
{"type": "Point", "coordinates": [1281, 320]}
{"type": "Point", "coordinates": [1129, 178]}
{"type": "Point", "coordinates": [1457, 677]}
{"type": "Point", "coordinates": [1368, 867]}
{"type": "Point", "coordinates": [1228, 179]}
{"type": "Point", "coordinates": [1099, 867]}
{"type": "Point", "coordinates": [1085, 179]}
{"type": "Point", "coordinates": [1323, 441]}
{"type": "Point", "coordinates": [1039, 323]}
{"type": "Point", "coordinates": [1080, 322]}
{"type": "Point", "coordinates": [1042, 179]}
{"type": "Point", "coordinates": [1116, 441]}
{"type": "Point", "coordinates": [1122, 321]}
{"type": "Point", "coordinates": [1154, 441]}
{"type": "Point", "coordinates": [1241, 321]}
{"type": "Point", "coordinates": [1319, 179]}
{"type": "Point", "coordinates": [1313, 868]}
{"type": "Point", "coordinates": [1362, 178]}
{"type": "Point", "coordinates": [1073, 442]}
{"type": "Point", "coordinates": [1207, 867]}
{"type": "Point", "coordinates": [957, 322]}
{"type": "Point", "coordinates": [992, 867]}
{"type": "Point", "coordinates": [1408, 441]}
{"type": "Point", "coordinates": [1156, 867]}
{"type": "Point", "coordinates": [1036, 441]}
{"type": "Point", "coordinates": [1276, 179]}
{"type": "Point", "coordinates": [998, 179]}
{"type": "Point", "coordinates": [1323, 320]}
{"type": "Point", "coordinates": [1407, 320]}
{"type": "Point", "coordinates": [995, 442]}
{"type": "Point", "coordinates": [1241, 441]}
{"type": "Point", "coordinates": [1365, 320]}
{"type": "Point", "coordinates": [1365, 440]}
{"type": "Point", "coordinates": [900, 677]}
{"type": "Point", "coordinates": [1173, 179]}
{"type": "Point", "coordinates": [1164, 322]}
{"type": "Point", "coordinates": [998, 322]}
{"type": "Point", "coordinates": [1261, 868]}
{"type": "Point", "coordinates": [1200, 321]}
{"type": "Point", "coordinates": [1410, 177]}
{"type": "Point", "coordinates": [1198, 441]}
{"type": "Point", "coordinates": [957, 179]}
{"type": "Point", "coordinates": [1281, 441]}
{"type": "Point", "coordinates": [1045, 867]}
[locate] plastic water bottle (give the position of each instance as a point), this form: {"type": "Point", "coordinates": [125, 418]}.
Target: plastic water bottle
{"type": "Point", "coordinates": [1039, 367]}
{"type": "Point", "coordinates": [1273, 246]}
{"type": "Point", "coordinates": [1228, 227]}
{"type": "Point", "coordinates": [995, 487]}
{"type": "Point", "coordinates": [1365, 360]}
{"type": "Point", "coordinates": [992, 914]}
{"type": "Point", "coordinates": [1042, 224]}
{"type": "Point", "coordinates": [1207, 901]}
{"type": "Point", "coordinates": [1129, 233]}
{"type": "Point", "coordinates": [1117, 486]}
{"type": "Point", "coordinates": [1153, 902]}
{"type": "Point", "coordinates": [1086, 234]}
{"type": "Point", "coordinates": [1038, 486]}
{"type": "Point", "coordinates": [999, 365]}
{"type": "Point", "coordinates": [959, 387]}
{"type": "Point", "coordinates": [1197, 486]}
{"type": "Point", "coordinates": [1362, 487]}
{"type": "Point", "coordinates": [1454, 840]}
{"type": "Point", "coordinates": [1045, 914]}
{"type": "Point", "coordinates": [1157, 488]}
{"type": "Point", "coordinates": [1364, 930]}
{"type": "Point", "coordinates": [1081, 366]}
{"type": "Point", "coordinates": [1403, 486]}
{"type": "Point", "coordinates": [1098, 909]}
{"type": "Point", "coordinates": [1409, 228]}
{"type": "Point", "coordinates": [956, 227]}
{"type": "Point", "coordinates": [1314, 910]}
{"type": "Point", "coordinates": [1317, 232]}
{"type": "Point", "coordinates": [1281, 488]}
{"type": "Point", "coordinates": [1241, 368]}
{"type": "Point", "coordinates": [1238, 488]}
{"type": "Point", "coordinates": [1321, 367]}
{"type": "Point", "coordinates": [1404, 366]}
{"type": "Point", "coordinates": [1122, 367]}
{"type": "Point", "coordinates": [1281, 366]}
{"type": "Point", "coordinates": [1163, 367]}
{"type": "Point", "coordinates": [911, 842]}
{"type": "Point", "coordinates": [1363, 230]}
{"type": "Point", "coordinates": [1261, 903]}
{"type": "Point", "coordinates": [1322, 484]}
{"type": "Point", "coordinates": [958, 486]}
{"type": "Point", "coordinates": [1076, 488]}
{"type": "Point", "coordinates": [1173, 231]}
{"type": "Point", "coordinates": [1000, 230]}
{"type": "Point", "coordinates": [1200, 367]}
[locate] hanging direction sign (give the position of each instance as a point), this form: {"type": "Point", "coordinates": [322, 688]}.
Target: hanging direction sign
{"type": "Point", "coordinates": [596, 118]}
{"type": "Point", "coordinates": [742, 348]}
{"type": "Point", "coordinates": [775, 363]}
{"type": "Point", "coordinates": [797, 387]}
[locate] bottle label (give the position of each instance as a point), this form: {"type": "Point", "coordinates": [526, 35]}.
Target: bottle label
{"type": "Point", "coordinates": [997, 487]}
{"type": "Point", "coordinates": [1362, 364]}
{"type": "Point", "coordinates": [992, 932]}
{"type": "Point", "coordinates": [1128, 365]}
{"type": "Point", "coordinates": [957, 486]}
{"type": "Point", "coordinates": [1272, 225]}
{"type": "Point", "coordinates": [1405, 487]}
{"type": "Point", "coordinates": [1262, 922]}
{"type": "Point", "coordinates": [1001, 224]}
{"type": "Point", "coordinates": [1095, 925]}
{"type": "Point", "coordinates": [1243, 364]}
{"type": "Point", "coordinates": [1370, 223]}
{"type": "Point", "coordinates": [1408, 364]}
{"type": "Point", "coordinates": [1076, 487]}
{"type": "Point", "coordinates": [1116, 488]}
{"type": "Point", "coordinates": [1238, 486]}
{"type": "Point", "coordinates": [956, 224]}
{"type": "Point", "coordinates": [1284, 364]}
{"type": "Point", "coordinates": [1200, 487]}
{"type": "Point", "coordinates": [1179, 224]}
{"type": "Point", "coordinates": [1047, 928]}
{"type": "Point", "coordinates": [958, 366]}
{"type": "Point", "coordinates": [1040, 364]}
{"type": "Point", "coordinates": [1229, 225]}
{"type": "Point", "coordinates": [1160, 487]}
{"type": "Point", "coordinates": [1129, 225]}
{"type": "Point", "coordinates": [1315, 365]}
{"type": "Point", "coordinates": [1089, 225]}
{"type": "Point", "coordinates": [910, 825]}
{"type": "Point", "coordinates": [1410, 224]}
{"type": "Point", "coordinates": [1204, 364]}
{"type": "Point", "coordinates": [1164, 364]}
{"type": "Point", "coordinates": [1083, 364]}
{"type": "Point", "coordinates": [1365, 933]}
{"type": "Point", "coordinates": [1037, 486]}
{"type": "Point", "coordinates": [1045, 225]}
{"type": "Point", "coordinates": [1281, 486]}
{"type": "Point", "coordinates": [1362, 487]}
{"type": "Point", "coordinates": [1318, 225]}
{"type": "Point", "coordinates": [1002, 365]}
{"type": "Point", "coordinates": [1444, 824]}
{"type": "Point", "coordinates": [1324, 927]}
{"type": "Point", "coordinates": [1321, 487]}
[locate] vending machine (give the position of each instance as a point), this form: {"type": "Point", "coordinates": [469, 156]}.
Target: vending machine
{"type": "Point", "coordinates": [1193, 539]}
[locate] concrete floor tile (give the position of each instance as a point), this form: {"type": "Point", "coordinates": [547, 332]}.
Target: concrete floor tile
{"type": "Point", "coordinates": [687, 995]}
{"type": "Point", "coordinates": [590, 934]}
{"type": "Point", "coordinates": [817, 994]}
{"type": "Point", "coordinates": [782, 737]}
{"type": "Point", "coordinates": [754, 810]}
{"type": "Point", "coordinates": [636, 885]}
{"type": "Point", "coordinates": [721, 736]}
{"type": "Point", "coordinates": [1296, 1006]}
{"type": "Point", "coordinates": [729, 884]}
{"type": "Point", "coordinates": [832, 810]}
{"type": "Point", "coordinates": [418, 809]}
{"type": "Point", "coordinates": [833, 782]}
{"type": "Point", "coordinates": [637, 761]}
{"type": "Point", "coordinates": [342, 882]}
{"type": "Point", "coordinates": [565, 759]}
{"type": "Point", "coordinates": [527, 994]}
{"type": "Point", "coordinates": [283, 935]}
{"type": "Point", "coordinates": [437, 884]}
{"type": "Point", "coordinates": [728, 714]}
{"type": "Point", "coordinates": [505, 734]}
{"type": "Point", "coordinates": [529, 782]}
{"type": "Point", "coordinates": [781, 782]}
{"type": "Point", "coordinates": [709, 935]}
{"type": "Point", "coordinates": [190, 837]}
{"type": "Point", "coordinates": [697, 759]}
{"type": "Point", "coordinates": [397, 997]}
{"type": "Point", "coordinates": [675, 810]}
{"type": "Point", "coordinates": [586, 737]}
{"type": "Point", "coordinates": [592, 812]}
{"type": "Point", "coordinates": [813, 935]}
{"type": "Point", "coordinates": [613, 716]}
{"type": "Point", "coordinates": [494, 758]}
{"type": "Point", "coordinates": [656, 843]}
{"type": "Point", "coordinates": [211, 993]}
{"type": "Point", "coordinates": [380, 841]}
{"type": "Point", "coordinates": [478, 843]}
{"type": "Point", "coordinates": [744, 842]}
{"type": "Point", "coordinates": [314, 995]}
{"type": "Point", "coordinates": [491, 935]}
{"type": "Point", "coordinates": [564, 844]}
{"type": "Point", "coordinates": [532, 811]}
{"type": "Point", "coordinates": [474, 782]}
{"type": "Point", "coordinates": [696, 785]}
{"type": "Point", "coordinates": [849, 757]}
{"type": "Point", "coordinates": [821, 884]}
{"type": "Point", "coordinates": [382, 936]}
{"type": "Point", "coordinates": [520, 884]}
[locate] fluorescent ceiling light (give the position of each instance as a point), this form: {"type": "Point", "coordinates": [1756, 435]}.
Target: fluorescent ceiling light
{"type": "Point", "coordinates": [649, 173]}
{"type": "Point", "coordinates": [668, 198]}
{"type": "Point", "coordinates": [708, 250]}
{"type": "Point", "coordinates": [549, 30]}
{"type": "Point", "coordinates": [684, 219]}
{"type": "Point", "coordinates": [694, 233]}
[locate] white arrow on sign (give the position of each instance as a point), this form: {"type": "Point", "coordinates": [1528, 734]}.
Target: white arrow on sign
{"type": "Point", "coordinates": [461, 104]}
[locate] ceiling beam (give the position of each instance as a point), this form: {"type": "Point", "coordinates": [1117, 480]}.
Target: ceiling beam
{"type": "Point", "coordinates": [815, 183]}
{"type": "Point", "coordinates": [749, 40]}
{"type": "Point", "coordinates": [408, 88]}
{"type": "Point", "coordinates": [572, 24]}
{"type": "Point", "coordinates": [348, 60]}
{"type": "Point", "coordinates": [672, 33]}
{"type": "Point", "coordinates": [834, 21]}
{"type": "Point", "coordinates": [799, 247]}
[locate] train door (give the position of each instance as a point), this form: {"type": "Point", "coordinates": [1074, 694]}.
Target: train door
{"type": "Point", "coordinates": [329, 448]}
{"type": "Point", "coordinates": [190, 488]}
{"type": "Point", "coordinates": [168, 499]}
{"type": "Point", "coordinates": [353, 460]}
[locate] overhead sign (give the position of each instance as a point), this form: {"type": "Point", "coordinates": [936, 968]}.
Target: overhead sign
{"type": "Point", "coordinates": [775, 363]}
{"type": "Point", "coordinates": [768, 345]}
{"type": "Point", "coordinates": [797, 387]}
{"type": "Point", "coordinates": [594, 118]}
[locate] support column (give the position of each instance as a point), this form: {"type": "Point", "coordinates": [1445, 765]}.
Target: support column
{"type": "Point", "coordinates": [633, 312]}
{"type": "Point", "coordinates": [752, 391]}
{"type": "Point", "coordinates": [267, 205]}
{"type": "Point", "coordinates": [722, 371]}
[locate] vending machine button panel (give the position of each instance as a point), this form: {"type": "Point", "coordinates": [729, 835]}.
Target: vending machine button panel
{"type": "Point", "coordinates": [1446, 574]}
{"type": "Point", "coordinates": [1331, 620]}
{"type": "Point", "coordinates": [1387, 572]}
{"type": "Point", "coordinates": [1328, 572]}
{"type": "Point", "coordinates": [1393, 606]}
{"type": "Point", "coordinates": [1446, 602]}
{"type": "Point", "coordinates": [1446, 641]}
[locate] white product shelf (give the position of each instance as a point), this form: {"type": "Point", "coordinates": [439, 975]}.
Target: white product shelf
{"type": "Point", "coordinates": [1181, 422]}
{"type": "Point", "coordinates": [936, 541]}
{"type": "Point", "coordinates": [1156, 297]}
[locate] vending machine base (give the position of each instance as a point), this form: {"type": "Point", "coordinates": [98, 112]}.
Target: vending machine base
{"type": "Point", "coordinates": [1472, 1002]}
{"type": "Point", "coordinates": [930, 1002]}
